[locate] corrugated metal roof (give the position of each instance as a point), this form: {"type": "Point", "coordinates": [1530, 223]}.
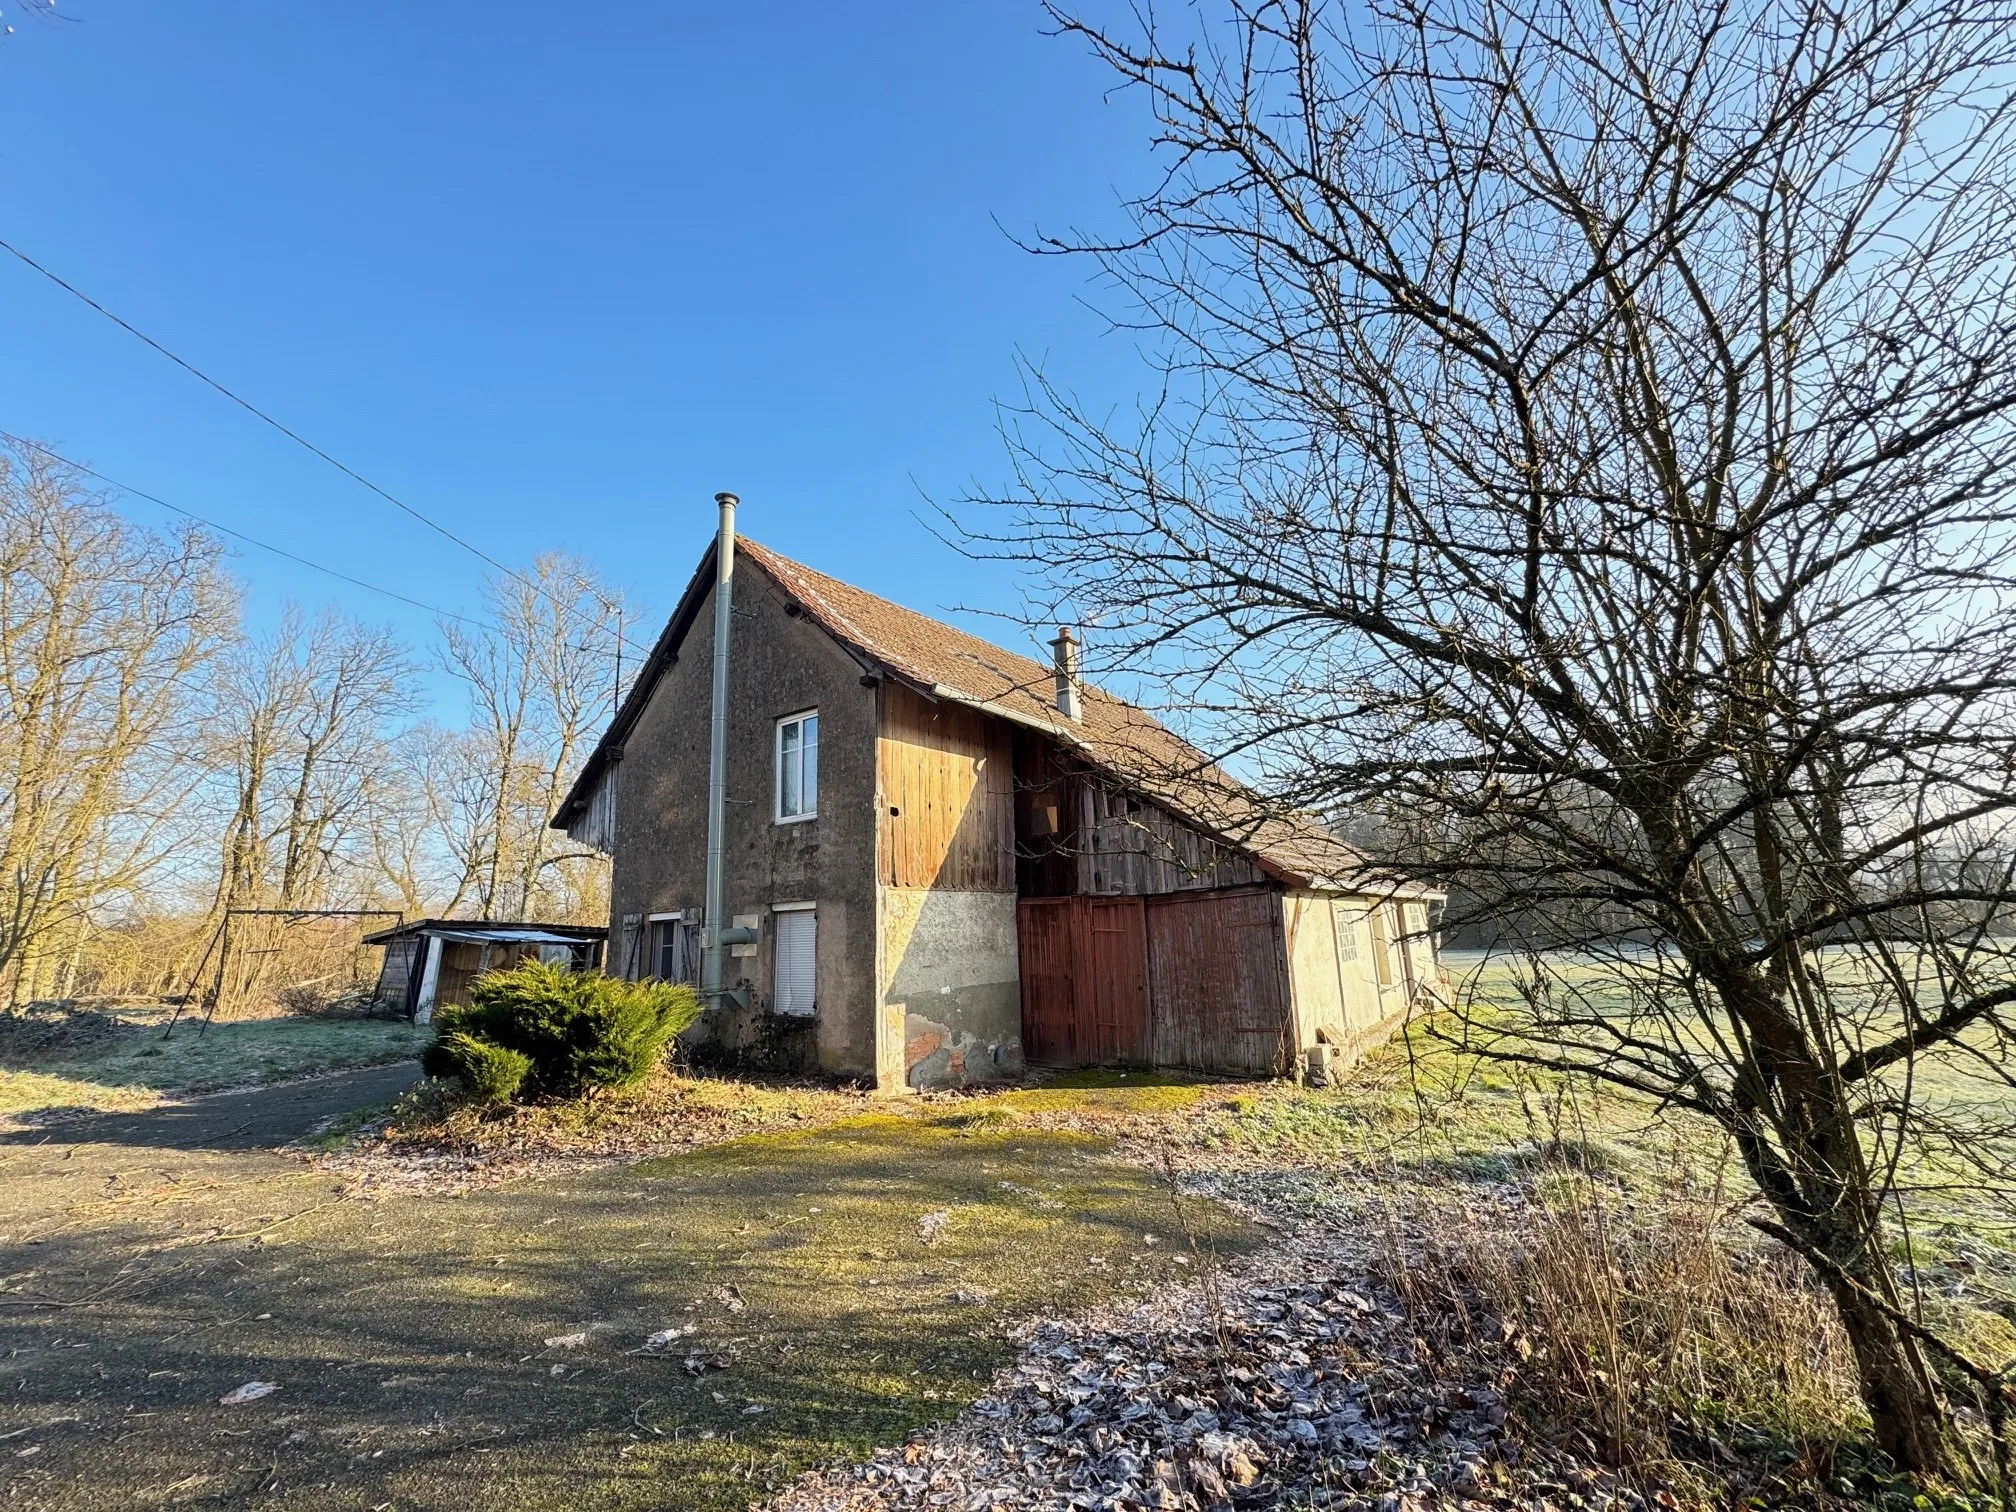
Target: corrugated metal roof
{"type": "Point", "coordinates": [1118, 738]}
{"type": "Point", "coordinates": [493, 929]}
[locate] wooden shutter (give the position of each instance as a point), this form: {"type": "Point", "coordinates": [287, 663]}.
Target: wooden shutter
{"type": "Point", "coordinates": [797, 955]}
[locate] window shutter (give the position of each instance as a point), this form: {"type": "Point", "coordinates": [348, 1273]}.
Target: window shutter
{"type": "Point", "coordinates": [797, 952]}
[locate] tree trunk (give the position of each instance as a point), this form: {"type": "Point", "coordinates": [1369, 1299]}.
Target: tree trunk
{"type": "Point", "coordinates": [1905, 1407]}
{"type": "Point", "coordinates": [1834, 1210]}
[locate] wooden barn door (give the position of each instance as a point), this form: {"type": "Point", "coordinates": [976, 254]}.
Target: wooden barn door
{"type": "Point", "coordinates": [1085, 981]}
{"type": "Point", "coordinates": [1047, 931]}
{"type": "Point", "coordinates": [1217, 971]}
{"type": "Point", "coordinates": [1113, 992]}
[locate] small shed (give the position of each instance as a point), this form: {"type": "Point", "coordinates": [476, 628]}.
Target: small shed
{"type": "Point", "coordinates": [430, 963]}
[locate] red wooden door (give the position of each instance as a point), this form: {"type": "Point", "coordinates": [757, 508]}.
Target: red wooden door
{"type": "Point", "coordinates": [1218, 976]}
{"type": "Point", "coordinates": [1047, 931]}
{"type": "Point", "coordinates": [1113, 989]}
{"type": "Point", "coordinates": [1184, 979]}
{"type": "Point", "coordinates": [1084, 981]}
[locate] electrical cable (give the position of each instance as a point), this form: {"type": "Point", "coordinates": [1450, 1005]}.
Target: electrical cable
{"type": "Point", "coordinates": [279, 551]}
{"type": "Point", "coordinates": [292, 435]}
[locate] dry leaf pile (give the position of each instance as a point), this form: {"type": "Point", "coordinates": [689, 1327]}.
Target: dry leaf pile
{"type": "Point", "coordinates": [1296, 1379]}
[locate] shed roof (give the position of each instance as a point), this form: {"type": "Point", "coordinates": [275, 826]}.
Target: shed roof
{"type": "Point", "coordinates": [509, 930]}
{"type": "Point", "coordinates": [1114, 736]}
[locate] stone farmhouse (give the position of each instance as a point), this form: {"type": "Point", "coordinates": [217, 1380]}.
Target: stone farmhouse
{"type": "Point", "coordinates": [949, 861]}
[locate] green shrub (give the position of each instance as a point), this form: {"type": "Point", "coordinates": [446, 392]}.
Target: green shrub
{"type": "Point", "coordinates": [439, 1059]}
{"type": "Point", "coordinates": [493, 1074]}
{"type": "Point", "coordinates": [573, 1029]}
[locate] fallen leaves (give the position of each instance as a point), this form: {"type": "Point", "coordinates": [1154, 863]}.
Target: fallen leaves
{"type": "Point", "coordinates": [1297, 1378]}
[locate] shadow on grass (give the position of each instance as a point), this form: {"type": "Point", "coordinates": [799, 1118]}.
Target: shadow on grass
{"type": "Point", "coordinates": [407, 1336]}
{"type": "Point", "coordinates": [253, 1120]}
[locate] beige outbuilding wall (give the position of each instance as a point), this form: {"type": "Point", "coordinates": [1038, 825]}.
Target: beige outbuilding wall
{"type": "Point", "coordinates": [1351, 984]}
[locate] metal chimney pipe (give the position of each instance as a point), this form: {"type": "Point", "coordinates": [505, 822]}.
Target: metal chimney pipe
{"type": "Point", "coordinates": [717, 758]}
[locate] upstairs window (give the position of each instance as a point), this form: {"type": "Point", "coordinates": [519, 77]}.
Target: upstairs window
{"type": "Point", "coordinates": [798, 767]}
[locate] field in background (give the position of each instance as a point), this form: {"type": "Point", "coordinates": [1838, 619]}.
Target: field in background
{"type": "Point", "coordinates": [1948, 1083]}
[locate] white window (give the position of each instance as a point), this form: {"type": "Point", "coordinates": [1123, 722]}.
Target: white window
{"type": "Point", "coordinates": [797, 988]}
{"type": "Point", "coordinates": [798, 767]}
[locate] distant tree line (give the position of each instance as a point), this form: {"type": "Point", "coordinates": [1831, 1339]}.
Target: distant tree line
{"type": "Point", "coordinates": [160, 762]}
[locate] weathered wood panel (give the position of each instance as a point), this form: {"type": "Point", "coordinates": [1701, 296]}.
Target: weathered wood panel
{"type": "Point", "coordinates": [1217, 971]}
{"type": "Point", "coordinates": [463, 962]}
{"type": "Point", "coordinates": [1113, 992]}
{"type": "Point", "coordinates": [1197, 980]}
{"type": "Point", "coordinates": [1047, 937]}
{"type": "Point", "coordinates": [594, 824]}
{"type": "Point", "coordinates": [1129, 845]}
{"type": "Point", "coordinates": [1085, 982]}
{"type": "Point", "coordinates": [948, 796]}
{"type": "Point", "coordinates": [398, 978]}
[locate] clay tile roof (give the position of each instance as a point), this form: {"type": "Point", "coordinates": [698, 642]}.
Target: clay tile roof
{"type": "Point", "coordinates": [1119, 738]}
{"type": "Point", "coordinates": [1116, 737]}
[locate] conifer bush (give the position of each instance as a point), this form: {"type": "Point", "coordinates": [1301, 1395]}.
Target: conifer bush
{"type": "Point", "coordinates": [493, 1074]}
{"type": "Point", "coordinates": [572, 1030]}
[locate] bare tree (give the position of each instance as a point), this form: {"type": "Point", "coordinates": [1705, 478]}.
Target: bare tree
{"type": "Point", "coordinates": [1586, 444]}
{"type": "Point", "coordinates": [410, 844]}
{"type": "Point", "coordinates": [306, 714]}
{"type": "Point", "coordinates": [104, 628]}
{"type": "Point", "coordinates": [539, 680]}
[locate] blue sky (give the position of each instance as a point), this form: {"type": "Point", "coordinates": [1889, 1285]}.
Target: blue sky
{"type": "Point", "coordinates": [555, 275]}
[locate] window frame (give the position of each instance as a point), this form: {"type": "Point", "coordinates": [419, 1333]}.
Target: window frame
{"type": "Point", "coordinates": [777, 813]}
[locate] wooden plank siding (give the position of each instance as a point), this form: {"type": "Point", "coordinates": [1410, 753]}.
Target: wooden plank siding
{"type": "Point", "coordinates": [1195, 979]}
{"type": "Point", "coordinates": [1128, 845]}
{"type": "Point", "coordinates": [1116, 939]}
{"type": "Point", "coordinates": [1219, 981]}
{"type": "Point", "coordinates": [947, 796]}
{"type": "Point", "coordinates": [1085, 982]}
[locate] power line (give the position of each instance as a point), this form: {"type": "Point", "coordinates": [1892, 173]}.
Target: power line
{"type": "Point", "coordinates": [292, 435]}
{"type": "Point", "coordinates": [190, 514]}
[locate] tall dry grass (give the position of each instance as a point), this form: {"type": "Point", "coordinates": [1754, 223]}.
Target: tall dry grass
{"type": "Point", "coordinates": [1651, 1334]}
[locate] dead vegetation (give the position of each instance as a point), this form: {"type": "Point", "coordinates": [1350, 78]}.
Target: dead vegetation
{"type": "Point", "coordinates": [437, 1139]}
{"type": "Point", "coordinates": [1646, 1337]}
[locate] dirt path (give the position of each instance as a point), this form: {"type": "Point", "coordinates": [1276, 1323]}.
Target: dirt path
{"type": "Point", "coordinates": [257, 1119]}
{"type": "Point", "coordinates": [824, 1292]}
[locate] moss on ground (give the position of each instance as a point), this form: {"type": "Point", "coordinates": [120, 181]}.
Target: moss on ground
{"type": "Point", "coordinates": [1143, 1093]}
{"type": "Point", "coordinates": [857, 1281]}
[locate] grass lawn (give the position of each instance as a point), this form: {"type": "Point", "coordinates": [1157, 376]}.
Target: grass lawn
{"type": "Point", "coordinates": [833, 1273]}
{"type": "Point", "coordinates": [126, 1064]}
{"type": "Point", "coordinates": [834, 1288]}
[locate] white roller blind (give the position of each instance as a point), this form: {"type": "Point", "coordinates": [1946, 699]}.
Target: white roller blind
{"type": "Point", "coordinates": [797, 953]}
